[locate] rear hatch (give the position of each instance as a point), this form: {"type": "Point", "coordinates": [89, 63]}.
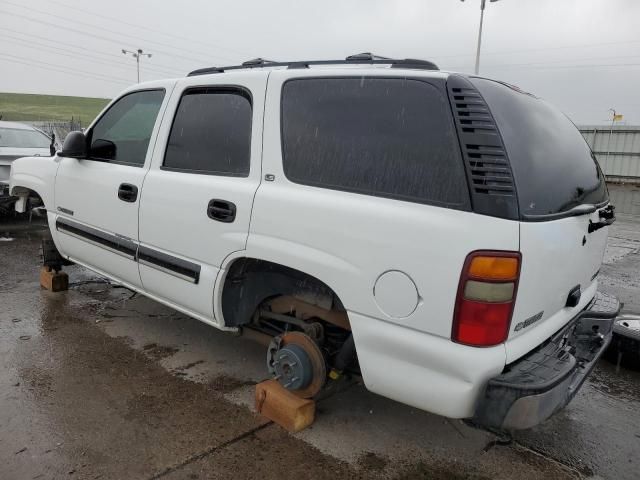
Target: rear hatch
{"type": "Point", "coordinates": [564, 213]}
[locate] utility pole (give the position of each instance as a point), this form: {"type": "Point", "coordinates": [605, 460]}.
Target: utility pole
{"type": "Point", "coordinates": [139, 53]}
{"type": "Point", "coordinates": [482, 5]}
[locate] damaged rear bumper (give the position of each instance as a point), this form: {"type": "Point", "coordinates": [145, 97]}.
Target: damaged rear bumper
{"type": "Point", "coordinates": [533, 388]}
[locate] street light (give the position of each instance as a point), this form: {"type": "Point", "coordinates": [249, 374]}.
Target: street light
{"type": "Point", "coordinates": [482, 5]}
{"type": "Point", "coordinates": [139, 53]}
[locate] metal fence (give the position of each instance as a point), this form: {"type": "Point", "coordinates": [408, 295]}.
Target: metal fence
{"type": "Point", "coordinates": [60, 128]}
{"type": "Point", "coordinates": [617, 150]}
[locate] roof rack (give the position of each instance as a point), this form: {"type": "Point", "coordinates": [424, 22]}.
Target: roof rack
{"type": "Point", "coordinates": [357, 59]}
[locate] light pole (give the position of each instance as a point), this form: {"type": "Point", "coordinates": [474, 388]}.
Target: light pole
{"type": "Point", "coordinates": [139, 53]}
{"type": "Point", "coordinates": [482, 5]}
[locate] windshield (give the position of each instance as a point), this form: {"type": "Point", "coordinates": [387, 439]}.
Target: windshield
{"type": "Point", "coordinates": [553, 167]}
{"type": "Point", "coordinates": [19, 138]}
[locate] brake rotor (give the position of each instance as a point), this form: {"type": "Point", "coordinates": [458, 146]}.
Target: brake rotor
{"type": "Point", "coordinates": [298, 364]}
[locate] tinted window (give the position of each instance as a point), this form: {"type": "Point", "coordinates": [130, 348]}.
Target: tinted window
{"type": "Point", "coordinates": [19, 138]}
{"type": "Point", "coordinates": [211, 133]}
{"type": "Point", "coordinates": [387, 137]}
{"type": "Point", "coordinates": [553, 167]}
{"type": "Point", "coordinates": [122, 134]}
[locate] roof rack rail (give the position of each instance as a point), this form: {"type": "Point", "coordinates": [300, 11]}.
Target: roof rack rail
{"type": "Point", "coordinates": [365, 56]}
{"type": "Point", "coordinates": [357, 59]}
{"type": "Point", "coordinates": [257, 62]}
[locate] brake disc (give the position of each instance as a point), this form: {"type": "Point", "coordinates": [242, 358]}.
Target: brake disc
{"type": "Point", "coordinates": [297, 363]}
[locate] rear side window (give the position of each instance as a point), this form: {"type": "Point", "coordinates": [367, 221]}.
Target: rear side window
{"type": "Point", "coordinates": [377, 136]}
{"type": "Point", "coordinates": [211, 133]}
{"type": "Point", "coordinates": [553, 167]}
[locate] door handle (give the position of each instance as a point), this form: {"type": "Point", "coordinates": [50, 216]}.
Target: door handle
{"type": "Point", "coordinates": [221, 210]}
{"type": "Point", "coordinates": [127, 192]}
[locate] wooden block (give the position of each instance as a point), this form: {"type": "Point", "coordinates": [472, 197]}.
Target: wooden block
{"type": "Point", "coordinates": [280, 405]}
{"type": "Point", "coordinates": [56, 282]}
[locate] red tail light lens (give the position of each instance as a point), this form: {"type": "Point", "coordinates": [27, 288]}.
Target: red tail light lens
{"type": "Point", "coordinates": [486, 295]}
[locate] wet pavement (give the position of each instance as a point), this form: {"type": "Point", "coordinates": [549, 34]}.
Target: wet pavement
{"type": "Point", "coordinates": [99, 383]}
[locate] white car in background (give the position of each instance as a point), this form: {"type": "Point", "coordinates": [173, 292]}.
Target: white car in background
{"type": "Point", "coordinates": [19, 140]}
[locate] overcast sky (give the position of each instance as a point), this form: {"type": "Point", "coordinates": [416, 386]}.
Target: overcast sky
{"type": "Point", "coordinates": [582, 55]}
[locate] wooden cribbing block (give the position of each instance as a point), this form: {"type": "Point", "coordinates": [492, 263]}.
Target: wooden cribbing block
{"type": "Point", "coordinates": [54, 281]}
{"type": "Point", "coordinates": [281, 406]}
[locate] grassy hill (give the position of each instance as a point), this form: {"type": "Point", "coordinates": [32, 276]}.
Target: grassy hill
{"type": "Point", "coordinates": [29, 107]}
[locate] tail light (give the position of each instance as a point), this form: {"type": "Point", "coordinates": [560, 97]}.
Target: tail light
{"type": "Point", "coordinates": [486, 295]}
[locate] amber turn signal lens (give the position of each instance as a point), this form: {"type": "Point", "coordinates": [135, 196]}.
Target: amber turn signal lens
{"type": "Point", "coordinates": [494, 268]}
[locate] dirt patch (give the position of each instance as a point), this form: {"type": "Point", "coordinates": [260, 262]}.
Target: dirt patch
{"type": "Point", "coordinates": [270, 453]}
{"type": "Point", "coordinates": [372, 462]}
{"type": "Point", "coordinates": [37, 381]}
{"type": "Point", "coordinates": [548, 467]}
{"type": "Point", "coordinates": [443, 471]}
{"type": "Point", "coordinates": [190, 365]}
{"type": "Point", "coordinates": [115, 413]}
{"type": "Point", "coordinates": [158, 352]}
{"type": "Point", "coordinates": [226, 384]}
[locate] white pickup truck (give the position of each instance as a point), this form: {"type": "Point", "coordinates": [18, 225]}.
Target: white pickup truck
{"type": "Point", "coordinates": [438, 233]}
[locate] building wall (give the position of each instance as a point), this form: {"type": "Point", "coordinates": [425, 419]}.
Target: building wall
{"type": "Point", "coordinates": [617, 150]}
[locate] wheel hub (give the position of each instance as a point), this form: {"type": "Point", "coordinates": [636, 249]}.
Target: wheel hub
{"type": "Point", "coordinates": [296, 361]}
{"type": "Point", "coordinates": [292, 367]}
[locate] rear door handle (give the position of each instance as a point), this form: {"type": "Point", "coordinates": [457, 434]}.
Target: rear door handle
{"type": "Point", "coordinates": [221, 210]}
{"type": "Point", "coordinates": [127, 192]}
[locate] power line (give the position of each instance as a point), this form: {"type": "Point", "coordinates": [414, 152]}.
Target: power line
{"type": "Point", "coordinates": [544, 64]}
{"type": "Point", "coordinates": [240, 52]}
{"type": "Point", "coordinates": [67, 71]}
{"type": "Point", "coordinates": [108, 77]}
{"type": "Point", "coordinates": [92, 25]}
{"type": "Point", "coordinates": [604, 65]}
{"type": "Point", "coordinates": [99, 37]}
{"type": "Point", "coordinates": [544, 49]}
{"type": "Point", "coordinates": [562, 61]}
{"type": "Point", "coordinates": [560, 67]}
{"type": "Point", "coordinates": [159, 67]}
{"type": "Point", "coordinates": [58, 51]}
{"type": "Point", "coordinates": [190, 40]}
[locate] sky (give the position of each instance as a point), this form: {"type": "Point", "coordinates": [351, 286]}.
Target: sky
{"type": "Point", "coordinates": [581, 55]}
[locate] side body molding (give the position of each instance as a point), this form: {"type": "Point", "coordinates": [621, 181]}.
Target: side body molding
{"type": "Point", "coordinates": [126, 247]}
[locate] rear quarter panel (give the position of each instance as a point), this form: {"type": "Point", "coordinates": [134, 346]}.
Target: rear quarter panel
{"type": "Point", "coordinates": [349, 240]}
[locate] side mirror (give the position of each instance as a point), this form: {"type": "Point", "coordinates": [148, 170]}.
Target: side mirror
{"type": "Point", "coordinates": [103, 149]}
{"type": "Point", "coordinates": [75, 146]}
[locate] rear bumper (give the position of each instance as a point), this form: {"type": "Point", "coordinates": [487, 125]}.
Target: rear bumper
{"type": "Point", "coordinates": [533, 388]}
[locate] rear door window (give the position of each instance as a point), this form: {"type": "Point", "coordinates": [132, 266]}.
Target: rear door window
{"type": "Point", "coordinates": [389, 137]}
{"type": "Point", "coordinates": [553, 167]}
{"type": "Point", "coordinates": [211, 133]}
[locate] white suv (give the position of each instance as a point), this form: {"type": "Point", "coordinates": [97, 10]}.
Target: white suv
{"type": "Point", "coordinates": [440, 234]}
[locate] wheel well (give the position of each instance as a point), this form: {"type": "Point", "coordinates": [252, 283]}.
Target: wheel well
{"type": "Point", "coordinates": [31, 199]}
{"type": "Point", "coordinates": [251, 281]}
{"type": "Point", "coordinates": [32, 195]}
